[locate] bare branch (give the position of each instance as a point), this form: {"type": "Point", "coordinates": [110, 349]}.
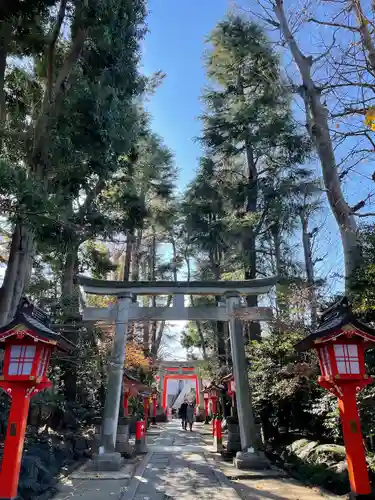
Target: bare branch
{"type": "Point", "coordinates": [334, 25]}
{"type": "Point", "coordinates": [369, 214]}
{"type": "Point", "coordinates": [326, 52]}
{"type": "Point", "coordinates": [349, 111]}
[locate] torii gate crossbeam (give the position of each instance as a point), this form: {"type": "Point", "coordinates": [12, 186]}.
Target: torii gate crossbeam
{"type": "Point", "coordinates": [125, 311]}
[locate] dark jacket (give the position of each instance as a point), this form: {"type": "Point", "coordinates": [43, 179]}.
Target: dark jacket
{"type": "Point", "coordinates": [183, 410]}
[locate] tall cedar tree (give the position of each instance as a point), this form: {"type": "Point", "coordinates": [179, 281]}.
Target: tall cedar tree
{"type": "Point", "coordinates": [248, 115]}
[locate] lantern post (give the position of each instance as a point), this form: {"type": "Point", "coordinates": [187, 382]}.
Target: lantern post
{"type": "Point", "coordinates": [340, 343]}
{"type": "Point", "coordinates": [126, 401]}
{"type": "Point", "coordinates": [131, 386]}
{"type": "Point", "coordinates": [145, 408]}
{"type": "Point", "coordinates": [206, 397]}
{"type": "Point", "coordinates": [230, 384]}
{"type": "Point", "coordinates": [154, 396]}
{"type": "Point", "coordinates": [214, 397]}
{"type": "Point", "coordinates": [28, 344]}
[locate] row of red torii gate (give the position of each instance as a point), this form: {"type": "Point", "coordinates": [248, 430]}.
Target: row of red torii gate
{"type": "Point", "coordinates": [157, 395]}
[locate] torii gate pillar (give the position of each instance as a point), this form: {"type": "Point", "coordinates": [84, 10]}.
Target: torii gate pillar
{"type": "Point", "coordinates": [125, 311]}
{"type": "Point", "coordinates": [248, 458]}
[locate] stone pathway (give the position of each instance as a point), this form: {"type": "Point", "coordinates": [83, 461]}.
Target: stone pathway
{"type": "Point", "coordinates": [177, 468]}
{"type": "Point", "coordinates": [181, 466]}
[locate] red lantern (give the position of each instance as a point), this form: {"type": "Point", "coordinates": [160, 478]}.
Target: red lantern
{"type": "Point", "coordinates": [340, 342]}
{"type": "Point", "coordinates": [214, 394]}
{"type": "Point", "coordinates": [28, 343]}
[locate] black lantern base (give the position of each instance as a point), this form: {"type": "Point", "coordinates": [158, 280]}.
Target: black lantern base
{"type": "Point", "coordinates": [354, 496]}
{"type": "Point", "coordinates": [11, 498]}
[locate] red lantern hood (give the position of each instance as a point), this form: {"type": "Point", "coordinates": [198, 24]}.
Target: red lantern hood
{"type": "Point", "coordinates": [336, 321]}
{"type": "Point", "coordinates": [33, 324]}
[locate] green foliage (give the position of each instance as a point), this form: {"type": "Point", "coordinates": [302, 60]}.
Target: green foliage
{"type": "Point", "coordinates": [364, 280]}
{"type": "Point", "coordinates": [317, 474]}
{"type": "Point", "coordinates": [96, 258]}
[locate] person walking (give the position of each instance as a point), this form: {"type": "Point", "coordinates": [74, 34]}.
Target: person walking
{"type": "Point", "coordinates": [183, 414]}
{"type": "Point", "coordinates": [190, 415]}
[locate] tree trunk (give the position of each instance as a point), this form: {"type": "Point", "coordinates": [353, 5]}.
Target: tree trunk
{"type": "Point", "coordinates": [281, 302]}
{"type": "Point", "coordinates": [157, 333]}
{"type": "Point", "coordinates": [151, 277]}
{"type": "Point", "coordinates": [146, 338]}
{"type": "Point", "coordinates": [309, 267]}
{"type": "Point", "coordinates": [24, 269]}
{"type": "Point", "coordinates": [220, 336]}
{"type": "Point", "coordinates": [317, 124]}
{"type": "Point", "coordinates": [128, 255]}
{"type": "Point", "coordinates": [199, 329]}
{"type": "Point", "coordinates": [17, 274]}
{"type": "Point", "coordinates": [70, 312]}
{"type": "Point", "coordinates": [135, 258]}
{"type": "Point", "coordinates": [249, 241]}
{"type": "Point", "coordinates": [69, 295]}
{"type": "Point", "coordinates": [10, 275]}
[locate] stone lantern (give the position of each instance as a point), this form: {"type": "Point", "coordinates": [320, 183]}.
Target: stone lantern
{"type": "Point", "coordinates": [27, 343]}
{"type": "Point", "coordinates": [340, 342]}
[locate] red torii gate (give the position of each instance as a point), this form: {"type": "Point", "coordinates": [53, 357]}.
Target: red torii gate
{"type": "Point", "coordinates": [177, 372]}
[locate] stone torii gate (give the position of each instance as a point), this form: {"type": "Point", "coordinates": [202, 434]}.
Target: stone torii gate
{"type": "Point", "coordinates": [125, 310]}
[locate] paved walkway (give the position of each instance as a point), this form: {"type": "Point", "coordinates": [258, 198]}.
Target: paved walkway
{"type": "Point", "coordinates": [177, 467]}
{"type": "Point", "coordinates": [181, 466]}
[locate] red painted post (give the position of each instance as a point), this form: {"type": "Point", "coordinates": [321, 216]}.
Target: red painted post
{"type": "Point", "coordinates": [206, 408]}
{"type": "Point", "coordinates": [213, 401]}
{"type": "Point", "coordinates": [126, 403]}
{"type": "Point", "coordinates": [218, 436]}
{"type": "Point", "coordinates": [145, 409]}
{"type": "Point", "coordinates": [219, 430]}
{"type": "Point", "coordinates": [13, 446]}
{"type": "Point", "coordinates": [355, 452]}
{"type": "Point", "coordinates": [139, 430]}
{"type": "Point", "coordinates": [140, 437]}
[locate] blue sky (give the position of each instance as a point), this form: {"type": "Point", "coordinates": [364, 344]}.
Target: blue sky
{"type": "Point", "coordinates": [175, 46]}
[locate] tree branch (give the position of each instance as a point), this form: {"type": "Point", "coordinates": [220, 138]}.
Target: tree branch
{"type": "Point", "coordinates": [365, 34]}
{"type": "Point", "coordinates": [62, 77]}
{"type": "Point", "coordinates": [369, 214]}
{"type": "Point", "coordinates": [326, 52]}
{"type": "Point", "coordinates": [350, 111]}
{"type": "Point", "coordinates": [334, 25]}
{"type": "Point", "coordinates": [51, 47]}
